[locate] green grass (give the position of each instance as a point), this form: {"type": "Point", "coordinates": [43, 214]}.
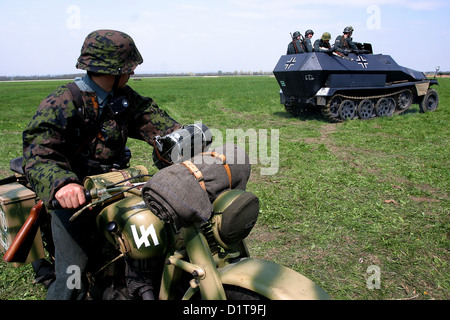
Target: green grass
{"type": "Point", "coordinates": [346, 196]}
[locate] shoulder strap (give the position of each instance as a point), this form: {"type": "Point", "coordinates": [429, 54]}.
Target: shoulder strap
{"type": "Point", "coordinates": [295, 46]}
{"type": "Point", "coordinates": [76, 94]}
{"type": "Point", "coordinates": [79, 107]}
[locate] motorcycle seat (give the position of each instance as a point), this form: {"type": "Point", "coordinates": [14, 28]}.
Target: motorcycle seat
{"type": "Point", "coordinates": [16, 165]}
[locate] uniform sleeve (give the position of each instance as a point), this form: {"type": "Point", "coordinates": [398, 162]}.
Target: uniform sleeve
{"type": "Point", "coordinates": [351, 44]}
{"type": "Point", "coordinates": [338, 42]}
{"type": "Point", "coordinates": [317, 45]}
{"type": "Point", "coordinates": [148, 120]}
{"type": "Point", "coordinates": [45, 164]}
{"type": "Point", "coordinates": [309, 47]}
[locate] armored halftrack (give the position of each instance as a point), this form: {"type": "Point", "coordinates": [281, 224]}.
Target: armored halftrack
{"type": "Point", "coordinates": [352, 85]}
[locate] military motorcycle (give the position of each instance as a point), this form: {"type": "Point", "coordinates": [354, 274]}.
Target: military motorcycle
{"type": "Point", "coordinates": [144, 254]}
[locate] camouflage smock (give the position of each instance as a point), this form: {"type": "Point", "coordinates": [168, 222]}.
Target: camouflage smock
{"type": "Point", "coordinates": [57, 131]}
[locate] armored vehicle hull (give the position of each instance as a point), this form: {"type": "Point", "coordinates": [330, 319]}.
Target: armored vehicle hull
{"type": "Point", "coordinates": [351, 86]}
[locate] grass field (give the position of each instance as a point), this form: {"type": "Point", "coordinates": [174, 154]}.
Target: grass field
{"type": "Point", "coordinates": [346, 196]}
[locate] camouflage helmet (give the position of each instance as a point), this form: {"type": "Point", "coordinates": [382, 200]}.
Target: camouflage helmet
{"type": "Point", "coordinates": [109, 52]}
{"type": "Point", "coordinates": [326, 36]}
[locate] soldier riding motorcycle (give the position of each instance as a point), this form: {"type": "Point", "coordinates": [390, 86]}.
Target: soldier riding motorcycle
{"type": "Point", "coordinates": [178, 234]}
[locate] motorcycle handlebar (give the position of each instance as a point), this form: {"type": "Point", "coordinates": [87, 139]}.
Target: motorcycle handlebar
{"type": "Point", "coordinates": [56, 205]}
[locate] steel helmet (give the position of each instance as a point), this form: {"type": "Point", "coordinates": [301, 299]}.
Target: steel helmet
{"type": "Point", "coordinates": [296, 34]}
{"type": "Point", "coordinates": [348, 30]}
{"type": "Point", "coordinates": [109, 52]}
{"type": "Point", "coordinates": [309, 32]}
{"type": "Point", "coordinates": [326, 36]}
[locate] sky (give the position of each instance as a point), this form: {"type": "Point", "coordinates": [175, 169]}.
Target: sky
{"type": "Point", "coordinates": [45, 37]}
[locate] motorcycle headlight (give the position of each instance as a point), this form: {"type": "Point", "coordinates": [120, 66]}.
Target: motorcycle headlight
{"type": "Point", "coordinates": [181, 145]}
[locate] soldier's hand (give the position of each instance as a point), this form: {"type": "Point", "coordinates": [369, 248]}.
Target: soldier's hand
{"type": "Point", "coordinates": [71, 196]}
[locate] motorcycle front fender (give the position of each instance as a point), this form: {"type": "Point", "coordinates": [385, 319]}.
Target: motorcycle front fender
{"type": "Point", "coordinates": [271, 280]}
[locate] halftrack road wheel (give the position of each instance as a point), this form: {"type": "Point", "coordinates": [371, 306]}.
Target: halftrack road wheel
{"type": "Point", "coordinates": [430, 101]}
{"type": "Point", "coordinates": [331, 110]}
{"type": "Point", "coordinates": [404, 100]}
{"type": "Point", "coordinates": [385, 107]}
{"type": "Point", "coordinates": [366, 109]}
{"type": "Point", "coordinates": [347, 109]}
{"type": "Point", "coordinates": [291, 109]}
{"type": "Point", "coordinates": [297, 110]}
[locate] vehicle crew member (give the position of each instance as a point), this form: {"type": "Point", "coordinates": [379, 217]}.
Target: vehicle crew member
{"type": "Point", "coordinates": [296, 45]}
{"type": "Point", "coordinates": [308, 44]}
{"type": "Point", "coordinates": [344, 43]}
{"type": "Point", "coordinates": [323, 44]}
{"type": "Point", "coordinates": [81, 129]}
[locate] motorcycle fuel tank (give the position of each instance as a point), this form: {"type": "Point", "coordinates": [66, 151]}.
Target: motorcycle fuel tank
{"type": "Point", "coordinates": [131, 226]}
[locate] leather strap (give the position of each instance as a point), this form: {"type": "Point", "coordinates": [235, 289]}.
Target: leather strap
{"type": "Point", "coordinates": [198, 174]}
{"type": "Point", "coordinates": [224, 163]}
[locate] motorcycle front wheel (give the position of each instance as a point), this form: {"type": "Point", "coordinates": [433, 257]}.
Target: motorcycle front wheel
{"type": "Point", "coordinates": [238, 293]}
{"type": "Point", "coordinates": [235, 293]}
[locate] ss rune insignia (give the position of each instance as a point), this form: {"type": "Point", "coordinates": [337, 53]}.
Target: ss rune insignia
{"type": "Point", "coordinates": [290, 63]}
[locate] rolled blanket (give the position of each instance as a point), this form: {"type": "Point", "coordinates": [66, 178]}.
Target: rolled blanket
{"type": "Point", "coordinates": [176, 196]}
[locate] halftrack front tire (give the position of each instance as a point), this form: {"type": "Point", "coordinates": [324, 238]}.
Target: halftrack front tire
{"type": "Point", "coordinates": [429, 102]}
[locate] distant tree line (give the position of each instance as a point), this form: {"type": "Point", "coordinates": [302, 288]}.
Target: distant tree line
{"type": "Point", "coordinates": [439, 74]}
{"type": "Point", "coordinates": [142, 75]}
{"type": "Point", "coordinates": [160, 75]}
{"type": "Point", "coordinates": [36, 77]}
